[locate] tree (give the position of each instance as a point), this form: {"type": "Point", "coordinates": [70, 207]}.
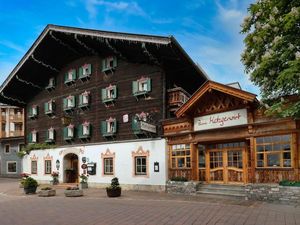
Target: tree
{"type": "Point", "coordinates": [272, 53]}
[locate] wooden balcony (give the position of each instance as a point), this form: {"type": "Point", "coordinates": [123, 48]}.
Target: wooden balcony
{"type": "Point", "coordinates": [176, 98]}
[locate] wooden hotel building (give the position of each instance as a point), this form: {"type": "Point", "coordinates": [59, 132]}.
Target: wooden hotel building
{"type": "Point", "coordinates": [221, 135]}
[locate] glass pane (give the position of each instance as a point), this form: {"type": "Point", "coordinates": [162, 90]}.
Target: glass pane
{"type": "Point", "coordinates": [180, 162]}
{"type": "Point", "coordinates": [260, 140]}
{"type": "Point", "coordinates": [286, 138]}
{"type": "Point", "coordinates": [268, 147]}
{"type": "Point", "coordinates": [286, 147]}
{"type": "Point", "coordinates": [260, 156]}
{"type": "Point", "coordinates": [276, 138]}
{"type": "Point", "coordinates": [287, 155]}
{"type": "Point", "coordinates": [267, 139]}
{"type": "Point", "coordinates": [276, 147]}
{"type": "Point", "coordinates": [260, 148]}
{"type": "Point", "coordinates": [287, 163]}
{"type": "Point", "coordinates": [260, 163]}
{"type": "Point", "coordinates": [273, 160]}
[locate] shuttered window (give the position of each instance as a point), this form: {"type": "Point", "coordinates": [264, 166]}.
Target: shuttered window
{"type": "Point", "coordinates": [108, 127]}
{"type": "Point", "coordinates": [85, 71]}
{"type": "Point", "coordinates": [141, 87]}
{"type": "Point", "coordinates": [33, 111]}
{"type": "Point", "coordinates": [109, 93]}
{"type": "Point", "coordinates": [84, 130]}
{"type": "Point", "coordinates": [70, 76]}
{"type": "Point", "coordinates": [109, 63]}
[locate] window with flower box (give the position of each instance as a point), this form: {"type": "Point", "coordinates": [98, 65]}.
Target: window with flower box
{"type": "Point", "coordinates": [109, 64]}
{"type": "Point", "coordinates": [141, 86]}
{"type": "Point", "coordinates": [70, 77]}
{"type": "Point", "coordinates": [274, 151]}
{"type": "Point", "coordinates": [50, 135]}
{"type": "Point", "coordinates": [49, 107]}
{"type": "Point", "coordinates": [33, 112]}
{"type": "Point", "coordinates": [84, 130]}
{"type": "Point", "coordinates": [109, 94]}
{"type": "Point", "coordinates": [51, 84]}
{"type": "Point", "coordinates": [33, 137]}
{"type": "Point", "coordinates": [69, 132]}
{"type": "Point", "coordinates": [84, 100]}
{"type": "Point", "coordinates": [85, 72]}
{"type": "Point", "coordinates": [109, 127]}
{"type": "Point", "coordinates": [69, 103]}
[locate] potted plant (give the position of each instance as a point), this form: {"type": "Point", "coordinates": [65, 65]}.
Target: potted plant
{"type": "Point", "coordinates": [114, 190]}
{"type": "Point", "coordinates": [83, 181]}
{"type": "Point", "coordinates": [54, 176]}
{"type": "Point", "coordinates": [47, 192]}
{"type": "Point", "coordinates": [73, 192]}
{"type": "Point", "coordinates": [30, 185]}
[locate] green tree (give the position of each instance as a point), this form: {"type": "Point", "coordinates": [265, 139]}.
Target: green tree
{"type": "Point", "coordinates": [272, 53]}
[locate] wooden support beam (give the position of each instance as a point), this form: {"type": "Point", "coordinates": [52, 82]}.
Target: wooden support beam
{"type": "Point", "coordinates": [252, 160]}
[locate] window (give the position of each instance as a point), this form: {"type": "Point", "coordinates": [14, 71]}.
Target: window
{"type": "Point", "coordinates": [7, 149]}
{"type": "Point", "coordinates": [140, 165]}
{"type": "Point", "coordinates": [51, 84]}
{"type": "Point", "coordinates": [33, 167]}
{"type": "Point", "coordinates": [33, 136]}
{"type": "Point", "coordinates": [108, 166]}
{"type": "Point", "coordinates": [85, 71]}
{"type": "Point", "coordinates": [50, 135]}
{"type": "Point", "coordinates": [109, 64]}
{"type": "Point", "coordinates": [33, 111]}
{"type": "Point", "coordinates": [21, 146]}
{"type": "Point", "coordinates": [69, 103]}
{"type": "Point", "coordinates": [109, 93]}
{"type": "Point", "coordinates": [69, 132]}
{"type": "Point", "coordinates": [141, 86]}
{"type": "Point", "coordinates": [11, 167]}
{"type": "Point", "coordinates": [109, 127]}
{"type": "Point", "coordinates": [274, 151]}
{"type": "Point", "coordinates": [201, 156]}
{"type": "Point", "coordinates": [48, 166]}
{"type": "Point", "coordinates": [84, 130]}
{"type": "Point", "coordinates": [181, 156]}
{"type": "Point", "coordinates": [49, 107]}
{"type": "Point", "coordinates": [84, 99]}
{"type": "Point", "coordinates": [70, 77]}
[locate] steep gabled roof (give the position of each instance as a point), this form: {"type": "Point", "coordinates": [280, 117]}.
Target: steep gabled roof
{"type": "Point", "coordinates": [57, 46]}
{"type": "Point", "coordinates": [211, 85]}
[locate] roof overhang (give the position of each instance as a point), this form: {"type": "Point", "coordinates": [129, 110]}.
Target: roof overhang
{"type": "Point", "coordinates": [57, 46]}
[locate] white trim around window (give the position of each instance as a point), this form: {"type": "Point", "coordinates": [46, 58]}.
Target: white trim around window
{"type": "Point", "coordinates": [15, 167]}
{"type": "Point", "coordinates": [7, 150]}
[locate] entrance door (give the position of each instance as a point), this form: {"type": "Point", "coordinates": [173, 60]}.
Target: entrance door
{"type": "Point", "coordinates": [226, 163]}
{"type": "Point", "coordinates": [71, 168]}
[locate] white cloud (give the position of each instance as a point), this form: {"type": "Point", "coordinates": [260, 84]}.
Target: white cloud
{"type": "Point", "coordinates": [11, 45]}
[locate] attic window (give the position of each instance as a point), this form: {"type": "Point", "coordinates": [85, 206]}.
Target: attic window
{"type": "Point", "coordinates": [109, 64]}
{"type": "Point", "coordinates": [33, 111]}
{"type": "Point", "coordinates": [51, 84]}
{"type": "Point", "coordinates": [70, 77]}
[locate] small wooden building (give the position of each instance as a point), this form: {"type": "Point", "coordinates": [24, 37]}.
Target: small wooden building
{"type": "Point", "coordinates": [221, 135]}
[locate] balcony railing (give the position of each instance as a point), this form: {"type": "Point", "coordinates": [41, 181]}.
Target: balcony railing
{"type": "Point", "coordinates": [176, 98]}
{"type": "Point", "coordinates": [17, 133]}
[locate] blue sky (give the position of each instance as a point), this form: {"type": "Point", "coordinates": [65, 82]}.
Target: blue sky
{"type": "Point", "coordinates": [207, 29]}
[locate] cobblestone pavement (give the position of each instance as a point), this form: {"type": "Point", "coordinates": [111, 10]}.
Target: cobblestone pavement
{"type": "Point", "coordinates": [136, 208]}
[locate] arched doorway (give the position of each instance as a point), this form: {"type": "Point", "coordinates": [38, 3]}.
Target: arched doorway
{"type": "Point", "coordinates": [70, 168]}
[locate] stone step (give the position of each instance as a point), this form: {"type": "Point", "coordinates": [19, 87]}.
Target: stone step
{"type": "Point", "coordinates": [221, 189]}
{"type": "Point", "coordinates": [221, 193]}
{"type": "Point", "coordinates": [223, 186]}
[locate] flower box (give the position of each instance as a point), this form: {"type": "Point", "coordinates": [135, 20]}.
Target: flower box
{"type": "Point", "coordinates": [46, 193]}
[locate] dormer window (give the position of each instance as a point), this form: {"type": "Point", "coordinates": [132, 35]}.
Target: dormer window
{"type": "Point", "coordinates": [49, 107]}
{"type": "Point", "coordinates": [69, 103]}
{"type": "Point", "coordinates": [33, 112]}
{"type": "Point", "coordinates": [109, 64]}
{"type": "Point", "coordinates": [33, 136]}
{"type": "Point", "coordinates": [109, 127]}
{"type": "Point", "coordinates": [141, 86]}
{"type": "Point", "coordinates": [109, 94]}
{"type": "Point", "coordinates": [69, 132]}
{"type": "Point", "coordinates": [50, 135]}
{"type": "Point", "coordinates": [51, 84]}
{"type": "Point", "coordinates": [70, 77]}
{"type": "Point", "coordinates": [84, 130]}
{"type": "Point", "coordinates": [84, 100]}
{"type": "Point", "coordinates": [85, 71]}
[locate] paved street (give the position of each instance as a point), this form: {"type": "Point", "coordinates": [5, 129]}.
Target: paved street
{"type": "Point", "coordinates": [135, 208]}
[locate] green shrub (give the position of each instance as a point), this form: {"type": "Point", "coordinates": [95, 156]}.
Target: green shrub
{"type": "Point", "coordinates": [290, 183]}
{"type": "Point", "coordinates": [46, 188]}
{"type": "Point", "coordinates": [114, 184]}
{"type": "Point", "coordinates": [30, 182]}
{"type": "Point", "coordinates": [26, 150]}
{"type": "Point", "coordinates": [182, 179]}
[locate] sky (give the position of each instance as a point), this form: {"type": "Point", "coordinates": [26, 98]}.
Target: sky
{"type": "Point", "coordinates": [208, 30]}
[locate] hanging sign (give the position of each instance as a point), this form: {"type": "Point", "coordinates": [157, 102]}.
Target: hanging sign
{"type": "Point", "coordinates": [220, 120]}
{"type": "Point", "coordinates": [148, 127]}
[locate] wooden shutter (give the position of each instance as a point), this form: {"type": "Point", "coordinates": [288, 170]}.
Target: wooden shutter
{"type": "Point", "coordinates": [46, 107]}
{"type": "Point", "coordinates": [47, 134]}
{"type": "Point", "coordinates": [103, 127]}
{"type": "Point", "coordinates": [37, 110]}
{"type": "Point", "coordinates": [134, 87]}
{"type": "Point", "coordinates": [74, 74]}
{"type": "Point", "coordinates": [90, 129]}
{"type": "Point", "coordinates": [115, 126]}
{"type": "Point", "coordinates": [149, 84]}
{"type": "Point", "coordinates": [29, 137]}
{"type": "Point", "coordinates": [115, 62]}
{"type": "Point", "coordinates": [80, 130]}
{"type": "Point", "coordinates": [115, 92]}
{"type": "Point", "coordinates": [65, 131]}
{"type": "Point", "coordinates": [66, 77]}
{"type": "Point", "coordinates": [80, 102]}
{"type": "Point", "coordinates": [103, 94]}
{"type": "Point", "coordinates": [73, 101]}
{"type": "Point", "coordinates": [65, 103]}
{"type": "Point", "coordinates": [90, 69]}
{"type": "Point", "coordinates": [103, 65]}
{"type": "Point", "coordinates": [30, 111]}
{"type": "Point", "coordinates": [80, 71]}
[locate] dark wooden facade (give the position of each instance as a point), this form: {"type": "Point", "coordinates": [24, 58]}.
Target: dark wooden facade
{"type": "Point", "coordinates": [59, 49]}
{"type": "Point", "coordinates": [232, 154]}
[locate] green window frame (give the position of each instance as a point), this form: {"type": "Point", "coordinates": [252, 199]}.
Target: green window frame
{"type": "Point", "coordinates": [70, 76]}
{"type": "Point", "coordinates": [85, 71]}
{"type": "Point", "coordinates": [109, 127]}
{"type": "Point", "coordinates": [109, 93]}
{"type": "Point", "coordinates": [141, 86]}
{"type": "Point", "coordinates": [109, 63]}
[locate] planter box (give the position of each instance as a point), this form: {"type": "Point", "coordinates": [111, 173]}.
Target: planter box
{"type": "Point", "coordinates": [47, 193]}
{"type": "Point", "coordinates": [113, 192]}
{"type": "Point", "coordinates": [83, 185]}
{"type": "Point", "coordinates": [73, 193]}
